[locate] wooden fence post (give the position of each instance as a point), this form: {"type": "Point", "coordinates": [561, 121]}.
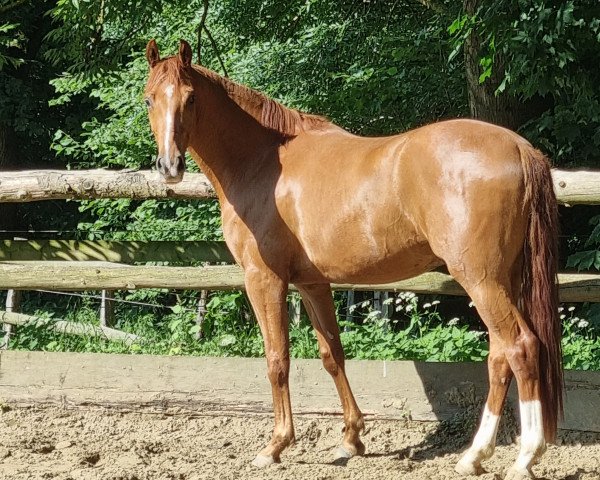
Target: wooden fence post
{"type": "Point", "coordinates": [201, 312]}
{"type": "Point", "coordinates": [295, 308]}
{"type": "Point", "coordinates": [13, 303]}
{"type": "Point", "coordinates": [349, 304]}
{"type": "Point", "coordinates": [107, 308]}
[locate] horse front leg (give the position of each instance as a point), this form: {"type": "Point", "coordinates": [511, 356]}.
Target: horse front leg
{"type": "Point", "coordinates": [319, 305]}
{"type": "Point", "coordinates": [267, 293]}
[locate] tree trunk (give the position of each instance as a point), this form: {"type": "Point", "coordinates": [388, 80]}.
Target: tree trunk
{"type": "Point", "coordinates": [8, 217]}
{"type": "Point", "coordinates": [502, 109]}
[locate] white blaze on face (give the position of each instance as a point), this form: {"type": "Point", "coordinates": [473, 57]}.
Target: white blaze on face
{"type": "Point", "coordinates": [169, 90]}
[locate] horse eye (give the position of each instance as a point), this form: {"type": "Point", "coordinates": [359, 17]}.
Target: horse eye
{"type": "Point", "coordinates": [191, 99]}
{"type": "Point", "coordinates": [148, 102]}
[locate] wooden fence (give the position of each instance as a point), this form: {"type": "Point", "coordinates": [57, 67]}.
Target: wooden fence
{"type": "Point", "coordinates": [68, 265]}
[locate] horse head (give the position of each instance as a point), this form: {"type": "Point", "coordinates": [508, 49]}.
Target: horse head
{"type": "Point", "coordinates": [169, 96]}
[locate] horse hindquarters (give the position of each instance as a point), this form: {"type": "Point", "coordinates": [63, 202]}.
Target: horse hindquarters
{"type": "Point", "coordinates": [507, 264]}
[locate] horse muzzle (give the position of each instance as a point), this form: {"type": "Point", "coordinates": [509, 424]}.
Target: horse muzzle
{"type": "Point", "coordinates": [171, 170]}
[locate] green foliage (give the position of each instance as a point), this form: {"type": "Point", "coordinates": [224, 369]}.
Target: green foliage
{"type": "Point", "coordinates": [549, 51]}
{"type": "Point", "coordinates": [587, 259]}
{"type": "Point", "coordinates": [7, 40]}
{"type": "Point", "coordinates": [581, 340]}
{"type": "Point", "coordinates": [230, 330]}
{"type": "Point", "coordinates": [424, 336]}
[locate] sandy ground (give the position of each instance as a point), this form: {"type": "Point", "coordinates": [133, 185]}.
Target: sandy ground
{"type": "Point", "coordinates": [97, 443]}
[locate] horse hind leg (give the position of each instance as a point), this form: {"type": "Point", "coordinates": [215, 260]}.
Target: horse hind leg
{"type": "Point", "coordinates": [319, 306]}
{"type": "Point", "coordinates": [484, 443]}
{"type": "Point", "coordinates": [499, 312]}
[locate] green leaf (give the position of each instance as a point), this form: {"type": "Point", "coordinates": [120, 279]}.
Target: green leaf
{"type": "Point", "coordinates": [227, 340]}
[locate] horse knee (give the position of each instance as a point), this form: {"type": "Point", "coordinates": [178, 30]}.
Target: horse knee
{"type": "Point", "coordinates": [278, 368]}
{"type": "Point", "coordinates": [331, 361]}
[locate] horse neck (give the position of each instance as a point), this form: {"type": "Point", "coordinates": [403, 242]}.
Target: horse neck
{"type": "Point", "coordinates": [229, 145]}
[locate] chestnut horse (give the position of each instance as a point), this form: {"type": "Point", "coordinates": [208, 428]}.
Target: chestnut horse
{"type": "Point", "coordinates": [305, 202]}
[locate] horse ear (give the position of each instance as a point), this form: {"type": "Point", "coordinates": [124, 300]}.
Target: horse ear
{"type": "Point", "coordinates": [185, 53]}
{"type": "Point", "coordinates": [152, 54]}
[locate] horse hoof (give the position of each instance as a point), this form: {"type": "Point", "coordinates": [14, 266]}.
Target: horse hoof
{"type": "Point", "coordinates": [467, 468]}
{"type": "Point", "coordinates": [262, 461]}
{"type": "Point", "coordinates": [342, 453]}
{"type": "Point", "coordinates": [515, 473]}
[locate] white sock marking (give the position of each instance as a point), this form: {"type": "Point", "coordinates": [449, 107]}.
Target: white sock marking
{"type": "Point", "coordinates": [532, 433]}
{"type": "Point", "coordinates": [485, 439]}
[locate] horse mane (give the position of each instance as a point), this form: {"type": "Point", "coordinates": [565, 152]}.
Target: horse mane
{"type": "Point", "coordinates": [268, 112]}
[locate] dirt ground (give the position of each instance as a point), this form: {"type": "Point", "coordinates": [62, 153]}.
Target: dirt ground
{"type": "Point", "coordinates": [96, 443]}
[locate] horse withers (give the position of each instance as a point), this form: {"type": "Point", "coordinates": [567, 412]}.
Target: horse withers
{"type": "Point", "coordinates": [305, 202]}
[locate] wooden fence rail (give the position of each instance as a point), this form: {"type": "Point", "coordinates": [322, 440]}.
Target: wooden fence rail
{"type": "Point", "coordinates": [73, 276]}
{"type": "Point", "coordinates": [64, 326]}
{"type": "Point", "coordinates": [114, 251]}
{"type": "Point", "coordinates": [36, 185]}
{"type": "Point", "coordinates": [571, 187]}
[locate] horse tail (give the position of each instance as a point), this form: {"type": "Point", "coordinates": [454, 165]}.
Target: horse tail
{"type": "Point", "coordinates": [539, 282]}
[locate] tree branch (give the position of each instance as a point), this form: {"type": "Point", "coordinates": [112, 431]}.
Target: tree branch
{"type": "Point", "coordinates": [201, 27]}
{"type": "Point", "coordinates": [216, 49]}
{"type": "Point", "coordinates": [435, 5]}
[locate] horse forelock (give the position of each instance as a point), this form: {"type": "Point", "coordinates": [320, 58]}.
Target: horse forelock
{"type": "Point", "coordinates": [169, 70]}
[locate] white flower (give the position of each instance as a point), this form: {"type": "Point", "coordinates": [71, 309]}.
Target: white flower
{"type": "Point", "coordinates": [453, 321]}
{"type": "Point", "coordinates": [435, 302]}
{"type": "Point", "coordinates": [426, 305]}
{"type": "Point", "coordinates": [570, 309]}
{"type": "Point", "coordinates": [562, 316]}
{"type": "Point", "coordinates": [560, 309]}
{"type": "Point", "coordinates": [409, 308]}
{"type": "Point", "coordinates": [471, 304]}
{"type": "Point", "coordinates": [583, 323]}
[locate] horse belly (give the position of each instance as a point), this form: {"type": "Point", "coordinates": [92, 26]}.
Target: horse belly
{"type": "Point", "coordinates": [365, 259]}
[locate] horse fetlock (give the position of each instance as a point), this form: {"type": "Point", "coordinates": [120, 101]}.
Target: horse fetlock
{"type": "Point", "coordinates": [281, 440]}
{"type": "Point", "coordinates": [518, 473]}
{"type": "Point", "coordinates": [466, 467]}
{"type": "Point", "coordinates": [470, 462]}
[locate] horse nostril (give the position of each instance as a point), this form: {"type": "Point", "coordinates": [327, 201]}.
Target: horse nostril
{"type": "Point", "coordinates": [180, 163]}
